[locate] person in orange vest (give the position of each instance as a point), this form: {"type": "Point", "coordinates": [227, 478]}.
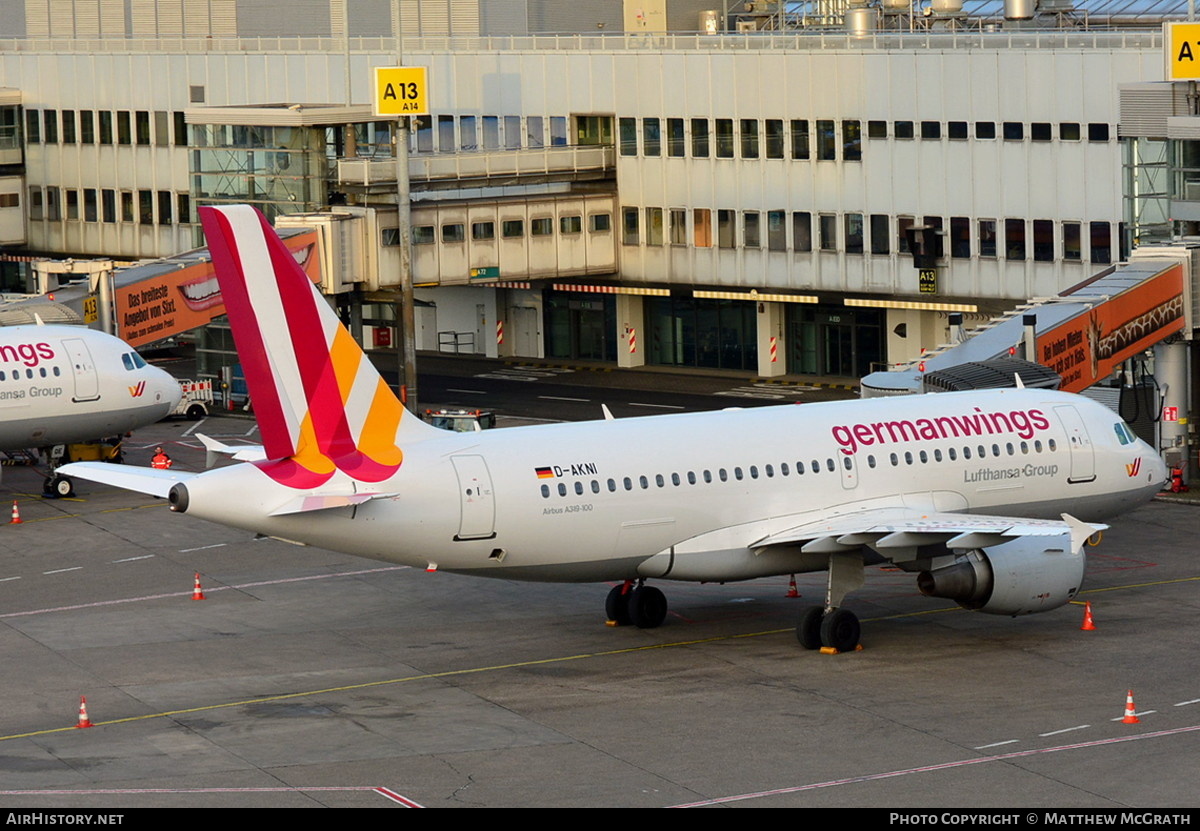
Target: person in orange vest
{"type": "Point", "coordinates": [161, 460]}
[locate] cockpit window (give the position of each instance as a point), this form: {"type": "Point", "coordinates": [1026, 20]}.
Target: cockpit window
{"type": "Point", "coordinates": [1124, 434]}
{"type": "Point", "coordinates": [132, 361]}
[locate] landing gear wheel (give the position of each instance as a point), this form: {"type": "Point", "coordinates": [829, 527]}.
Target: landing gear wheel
{"type": "Point", "coordinates": [616, 605]}
{"type": "Point", "coordinates": [647, 607]}
{"type": "Point", "coordinates": [840, 630]}
{"type": "Point", "coordinates": [808, 627]}
{"type": "Point", "coordinates": [58, 487]}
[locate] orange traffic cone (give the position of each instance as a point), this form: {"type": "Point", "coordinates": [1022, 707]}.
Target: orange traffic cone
{"type": "Point", "coordinates": [16, 515]}
{"type": "Point", "coordinates": [197, 592]}
{"type": "Point", "coordinates": [1089, 625]}
{"type": "Point", "coordinates": [1130, 713]}
{"type": "Point", "coordinates": [84, 721]}
{"type": "Point", "coordinates": [792, 588]}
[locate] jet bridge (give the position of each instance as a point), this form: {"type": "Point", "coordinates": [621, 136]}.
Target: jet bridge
{"type": "Point", "coordinates": [1084, 335]}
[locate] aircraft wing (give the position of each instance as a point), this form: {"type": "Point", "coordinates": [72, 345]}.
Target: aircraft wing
{"type": "Point", "coordinates": [140, 479]}
{"type": "Point", "coordinates": [896, 533]}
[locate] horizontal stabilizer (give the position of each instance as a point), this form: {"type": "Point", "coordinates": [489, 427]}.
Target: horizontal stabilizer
{"type": "Point", "coordinates": [324, 501]}
{"type": "Point", "coordinates": [140, 479]}
{"type": "Point", "coordinates": [214, 449]}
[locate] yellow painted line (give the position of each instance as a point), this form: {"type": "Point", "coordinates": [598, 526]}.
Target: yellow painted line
{"type": "Point", "coordinates": [455, 673]}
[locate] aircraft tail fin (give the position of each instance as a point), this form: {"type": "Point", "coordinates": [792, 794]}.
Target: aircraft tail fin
{"type": "Point", "coordinates": [321, 404]}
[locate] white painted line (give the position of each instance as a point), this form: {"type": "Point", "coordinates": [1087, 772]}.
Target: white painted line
{"type": "Point", "coordinates": [189, 430]}
{"type": "Point", "coordinates": [251, 430]}
{"type": "Point", "coordinates": [6, 579]}
{"type": "Point", "coordinates": [1064, 730]}
{"type": "Point", "coordinates": [498, 377]}
{"type": "Point", "coordinates": [562, 398]}
{"type": "Point", "coordinates": [131, 559]}
{"type": "Point", "coordinates": [61, 570]}
{"type": "Point", "coordinates": [659, 406]}
{"type": "Point", "coordinates": [470, 392]}
{"type": "Point", "coordinates": [1138, 713]}
{"type": "Point", "coordinates": [996, 744]}
{"type": "Point", "coordinates": [188, 592]}
{"type": "Point", "coordinates": [203, 547]}
{"type": "Point", "coordinates": [1180, 704]}
{"type": "Point", "coordinates": [892, 774]}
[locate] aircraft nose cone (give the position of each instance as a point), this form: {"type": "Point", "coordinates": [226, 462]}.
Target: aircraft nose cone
{"type": "Point", "coordinates": [167, 389]}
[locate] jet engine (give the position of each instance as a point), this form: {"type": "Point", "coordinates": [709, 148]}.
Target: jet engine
{"type": "Point", "coordinates": [1027, 575]}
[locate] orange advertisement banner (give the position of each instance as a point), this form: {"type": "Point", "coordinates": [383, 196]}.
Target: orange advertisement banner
{"type": "Point", "coordinates": [1091, 346]}
{"type": "Point", "coordinates": [171, 303]}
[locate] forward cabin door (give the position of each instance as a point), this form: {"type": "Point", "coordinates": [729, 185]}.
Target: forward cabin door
{"type": "Point", "coordinates": [83, 368]}
{"type": "Point", "coordinates": [1083, 462]}
{"type": "Point", "coordinates": [477, 520]}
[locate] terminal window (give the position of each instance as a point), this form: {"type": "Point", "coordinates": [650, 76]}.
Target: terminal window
{"type": "Point", "coordinates": [724, 138]}
{"type": "Point", "coordinates": [678, 226]}
{"type": "Point", "coordinates": [749, 134]}
{"type": "Point", "coordinates": [985, 129]}
{"type": "Point", "coordinates": [87, 127]}
{"type": "Point", "coordinates": [654, 226]}
{"type": "Point", "coordinates": [628, 130]}
{"type": "Point", "coordinates": [600, 223]}
{"type": "Point", "coordinates": [1043, 240]}
{"type": "Point", "coordinates": [700, 138]}
{"type": "Point", "coordinates": [1068, 131]}
{"type": "Point", "coordinates": [454, 232]}
{"type": "Point", "coordinates": [1097, 132]}
{"type": "Point", "coordinates": [651, 137]}
{"type": "Point", "coordinates": [1072, 241]}
{"type": "Point", "coordinates": [544, 226]}
{"type": "Point", "coordinates": [726, 232]}
{"type": "Point", "coordinates": [880, 234]}
{"type": "Point", "coordinates": [512, 228]}
{"type": "Point", "coordinates": [751, 232]}
{"type": "Point", "coordinates": [931, 129]}
{"type": "Point", "coordinates": [802, 231]}
{"type": "Point", "coordinates": [956, 130]}
{"type": "Point", "coordinates": [702, 227]}
{"type": "Point", "coordinates": [630, 234]}
{"type": "Point", "coordinates": [800, 149]}
{"type": "Point", "coordinates": [987, 238]}
{"type": "Point", "coordinates": [877, 130]}
{"type": "Point", "coordinates": [1014, 239]}
{"type": "Point", "coordinates": [1039, 131]}
{"type": "Point", "coordinates": [774, 138]}
{"type": "Point", "coordinates": [828, 230]}
{"type": "Point", "coordinates": [852, 141]}
{"type": "Point", "coordinates": [904, 130]}
{"type": "Point", "coordinates": [826, 141]}
{"type": "Point", "coordinates": [675, 142]}
{"type": "Point", "coordinates": [570, 224]}
{"type": "Point", "coordinates": [1014, 131]}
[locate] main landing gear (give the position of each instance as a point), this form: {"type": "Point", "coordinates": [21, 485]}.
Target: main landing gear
{"type": "Point", "coordinates": [643, 606]}
{"type": "Point", "coordinates": [829, 627]}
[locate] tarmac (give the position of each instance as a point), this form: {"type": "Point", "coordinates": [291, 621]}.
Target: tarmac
{"type": "Point", "coordinates": [307, 678]}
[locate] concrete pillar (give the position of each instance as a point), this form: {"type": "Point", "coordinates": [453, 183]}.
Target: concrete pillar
{"type": "Point", "coordinates": [1170, 370]}
{"type": "Point", "coordinates": [631, 331]}
{"type": "Point", "coordinates": [771, 362]}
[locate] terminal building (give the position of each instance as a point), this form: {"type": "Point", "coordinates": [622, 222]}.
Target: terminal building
{"type": "Point", "coordinates": [658, 182]}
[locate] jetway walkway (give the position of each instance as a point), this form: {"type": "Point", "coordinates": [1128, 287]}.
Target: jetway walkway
{"type": "Point", "coordinates": [1084, 334]}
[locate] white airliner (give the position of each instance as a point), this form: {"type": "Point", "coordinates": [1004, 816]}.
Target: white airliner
{"type": "Point", "coordinates": [65, 384]}
{"type": "Point", "coordinates": [975, 492]}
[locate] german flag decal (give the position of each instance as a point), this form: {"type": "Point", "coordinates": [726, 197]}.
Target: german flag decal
{"type": "Point", "coordinates": [544, 472]}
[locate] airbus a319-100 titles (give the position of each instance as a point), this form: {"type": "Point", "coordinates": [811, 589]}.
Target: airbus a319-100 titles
{"type": "Point", "coordinates": [66, 384]}
{"type": "Point", "coordinates": [976, 492]}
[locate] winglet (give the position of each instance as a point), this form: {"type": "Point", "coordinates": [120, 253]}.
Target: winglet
{"type": "Point", "coordinates": [1080, 531]}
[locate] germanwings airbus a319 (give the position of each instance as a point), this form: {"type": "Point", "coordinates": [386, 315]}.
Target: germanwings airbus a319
{"type": "Point", "coordinates": [976, 493]}
{"type": "Point", "coordinates": [65, 384]}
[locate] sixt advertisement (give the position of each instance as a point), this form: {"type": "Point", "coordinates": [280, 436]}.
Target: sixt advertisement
{"type": "Point", "coordinates": [168, 304]}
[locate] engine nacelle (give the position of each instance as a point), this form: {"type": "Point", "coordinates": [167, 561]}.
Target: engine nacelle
{"type": "Point", "coordinates": [1027, 575]}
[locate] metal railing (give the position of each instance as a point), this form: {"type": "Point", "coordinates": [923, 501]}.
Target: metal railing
{"type": "Point", "coordinates": [480, 165]}
{"type": "Point", "coordinates": [972, 36]}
